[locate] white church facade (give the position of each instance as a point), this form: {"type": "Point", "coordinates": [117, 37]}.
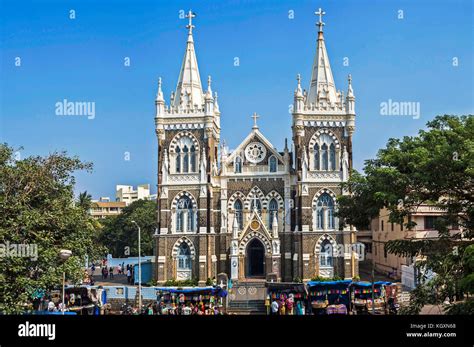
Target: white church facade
{"type": "Point", "coordinates": [255, 212]}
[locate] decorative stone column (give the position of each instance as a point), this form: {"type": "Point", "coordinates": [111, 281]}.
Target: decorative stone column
{"type": "Point", "coordinates": [234, 252]}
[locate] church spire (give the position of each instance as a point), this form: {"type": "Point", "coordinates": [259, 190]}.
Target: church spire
{"type": "Point", "coordinates": [350, 98]}
{"type": "Point", "coordinates": [322, 87]}
{"type": "Point", "coordinates": [189, 89]}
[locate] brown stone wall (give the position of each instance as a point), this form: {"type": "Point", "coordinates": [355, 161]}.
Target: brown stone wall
{"type": "Point", "coordinates": [265, 186]}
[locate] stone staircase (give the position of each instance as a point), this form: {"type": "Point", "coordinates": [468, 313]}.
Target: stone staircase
{"type": "Point", "coordinates": [254, 307]}
{"type": "Point", "coordinates": [248, 297]}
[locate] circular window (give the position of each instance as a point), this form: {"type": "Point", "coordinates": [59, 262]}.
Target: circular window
{"type": "Point", "coordinates": [255, 152]}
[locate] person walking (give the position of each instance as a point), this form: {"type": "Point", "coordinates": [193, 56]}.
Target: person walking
{"type": "Point", "coordinates": [111, 271]}
{"type": "Point", "coordinates": [267, 304]}
{"type": "Point", "coordinates": [275, 307]}
{"type": "Point", "coordinates": [129, 275]}
{"type": "Point", "coordinates": [282, 307]}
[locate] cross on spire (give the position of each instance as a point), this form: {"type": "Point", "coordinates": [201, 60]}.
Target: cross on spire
{"type": "Point", "coordinates": [190, 16]}
{"type": "Point", "coordinates": [255, 202]}
{"type": "Point", "coordinates": [255, 116]}
{"type": "Point", "coordinates": [320, 13]}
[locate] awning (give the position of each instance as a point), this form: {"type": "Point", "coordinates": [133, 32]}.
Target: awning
{"type": "Point", "coordinates": [369, 284]}
{"type": "Point", "coordinates": [283, 287]}
{"type": "Point", "coordinates": [332, 284]}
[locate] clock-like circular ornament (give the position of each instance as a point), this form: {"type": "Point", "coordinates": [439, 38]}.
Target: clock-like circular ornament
{"type": "Point", "coordinates": [255, 152]}
{"type": "Point", "coordinates": [254, 225]}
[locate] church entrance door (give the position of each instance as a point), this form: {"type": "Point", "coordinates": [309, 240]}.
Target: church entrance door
{"type": "Point", "coordinates": [255, 258]}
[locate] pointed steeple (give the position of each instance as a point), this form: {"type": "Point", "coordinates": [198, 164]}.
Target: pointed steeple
{"type": "Point", "coordinates": [274, 225]}
{"type": "Point", "coordinates": [189, 89]}
{"type": "Point", "coordinates": [298, 104]}
{"type": "Point", "coordinates": [350, 98]}
{"type": "Point", "coordinates": [235, 228]}
{"type": "Point", "coordinates": [209, 90]}
{"type": "Point", "coordinates": [159, 101]}
{"type": "Point", "coordinates": [322, 87]}
{"type": "Point", "coordinates": [159, 94]}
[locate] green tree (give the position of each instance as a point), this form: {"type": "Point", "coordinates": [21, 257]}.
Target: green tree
{"type": "Point", "coordinates": [37, 208]}
{"type": "Point", "coordinates": [84, 200]}
{"type": "Point", "coordinates": [437, 168]}
{"type": "Point", "coordinates": [120, 235]}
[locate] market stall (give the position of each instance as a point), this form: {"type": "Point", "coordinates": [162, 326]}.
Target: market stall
{"type": "Point", "coordinates": [329, 297]}
{"type": "Point", "coordinates": [86, 300]}
{"type": "Point", "coordinates": [186, 301]}
{"type": "Point", "coordinates": [292, 298]}
{"type": "Point", "coordinates": [363, 300]}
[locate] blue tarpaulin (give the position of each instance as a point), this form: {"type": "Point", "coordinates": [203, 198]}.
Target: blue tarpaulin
{"type": "Point", "coordinates": [54, 313]}
{"type": "Point", "coordinates": [369, 284]}
{"type": "Point", "coordinates": [334, 284]}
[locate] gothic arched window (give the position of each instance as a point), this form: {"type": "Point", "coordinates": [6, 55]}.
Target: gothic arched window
{"type": "Point", "coordinates": [332, 156]}
{"type": "Point", "coordinates": [185, 159]}
{"type": "Point", "coordinates": [325, 212]}
{"type": "Point", "coordinates": [326, 253]}
{"type": "Point", "coordinates": [273, 164]}
{"type": "Point", "coordinates": [178, 159]}
{"type": "Point", "coordinates": [316, 157]}
{"type": "Point", "coordinates": [193, 159]}
{"type": "Point", "coordinates": [272, 211]}
{"type": "Point", "coordinates": [238, 165]}
{"type": "Point", "coordinates": [324, 156]}
{"type": "Point", "coordinates": [184, 214]}
{"type": "Point", "coordinates": [184, 257]}
{"type": "Point", "coordinates": [185, 150]}
{"type": "Point", "coordinates": [238, 213]}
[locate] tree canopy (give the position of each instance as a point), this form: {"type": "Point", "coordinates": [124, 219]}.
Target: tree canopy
{"type": "Point", "coordinates": [37, 210]}
{"type": "Point", "coordinates": [120, 235]}
{"type": "Point", "coordinates": [436, 167]}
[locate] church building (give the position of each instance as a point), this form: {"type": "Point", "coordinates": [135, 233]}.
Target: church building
{"type": "Point", "coordinates": [255, 212]}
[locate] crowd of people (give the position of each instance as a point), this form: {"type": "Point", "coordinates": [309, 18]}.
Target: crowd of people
{"type": "Point", "coordinates": [109, 271]}
{"type": "Point", "coordinates": [178, 307]}
{"type": "Point", "coordinates": [285, 306]}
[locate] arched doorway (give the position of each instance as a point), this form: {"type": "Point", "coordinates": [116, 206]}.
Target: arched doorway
{"type": "Point", "coordinates": [255, 259]}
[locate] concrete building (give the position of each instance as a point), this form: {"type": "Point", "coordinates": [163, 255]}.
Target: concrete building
{"type": "Point", "coordinates": [128, 195]}
{"type": "Point", "coordinates": [383, 231]}
{"type": "Point", "coordinates": [104, 207]}
{"type": "Point", "coordinates": [255, 212]}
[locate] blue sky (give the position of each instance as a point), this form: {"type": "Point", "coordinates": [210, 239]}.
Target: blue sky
{"type": "Point", "coordinates": [409, 59]}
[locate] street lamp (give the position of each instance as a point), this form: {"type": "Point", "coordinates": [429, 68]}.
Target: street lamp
{"type": "Point", "coordinates": [139, 269]}
{"type": "Point", "coordinates": [64, 255]}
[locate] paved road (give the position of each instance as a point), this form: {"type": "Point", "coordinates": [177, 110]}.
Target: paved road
{"type": "Point", "coordinates": [365, 272]}
{"type": "Point", "coordinates": [118, 279]}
